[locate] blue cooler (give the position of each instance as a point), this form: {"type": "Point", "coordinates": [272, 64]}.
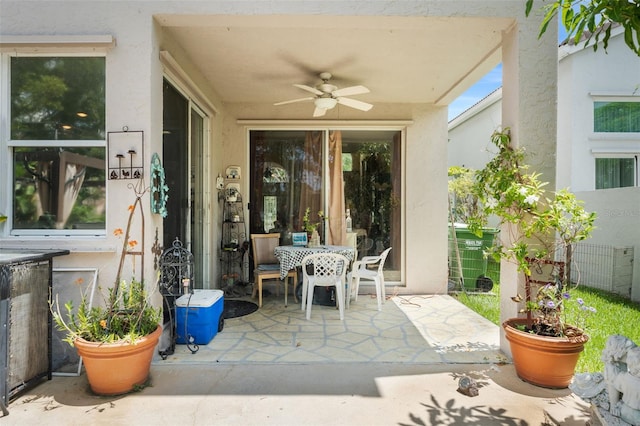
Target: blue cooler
{"type": "Point", "coordinates": [199, 316]}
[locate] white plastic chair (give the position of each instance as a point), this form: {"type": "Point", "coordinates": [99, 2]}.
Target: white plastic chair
{"type": "Point", "coordinates": [326, 270]}
{"type": "Point", "coordinates": [362, 270]}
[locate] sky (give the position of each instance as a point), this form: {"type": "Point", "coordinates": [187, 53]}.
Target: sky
{"type": "Point", "coordinates": [484, 86]}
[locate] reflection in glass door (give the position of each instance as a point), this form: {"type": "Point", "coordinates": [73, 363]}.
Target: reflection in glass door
{"type": "Point", "coordinates": [175, 159]}
{"type": "Point", "coordinates": [371, 167]}
{"type": "Point", "coordinates": [286, 178]}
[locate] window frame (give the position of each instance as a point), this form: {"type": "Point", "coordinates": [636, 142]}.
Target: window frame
{"type": "Point", "coordinates": [636, 169]}
{"type": "Point", "coordinates": [7, 146]}
{"type": "Point", "coordinates": [611, 97]}
{"type": "Point", "coordinates": [625, 103]}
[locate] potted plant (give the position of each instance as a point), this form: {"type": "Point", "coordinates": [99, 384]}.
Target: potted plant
{"type": "Point", "coordinates": [542, 229]}
{"type": "Point", "coordinates": [117, 340]}
{"type": "Point", "coordinates": [311, 227]}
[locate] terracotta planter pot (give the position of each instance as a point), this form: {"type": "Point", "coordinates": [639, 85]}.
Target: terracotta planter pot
{"type": "Point", "coordinates": [116, 368]}
{"type": "Point", "coordinates": [543, 361]}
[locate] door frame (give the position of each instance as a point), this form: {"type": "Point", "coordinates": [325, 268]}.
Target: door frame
{"type": "Point", "coordinates": [325, 127]}
{"type": "Point", "coordinates": [204, 271]}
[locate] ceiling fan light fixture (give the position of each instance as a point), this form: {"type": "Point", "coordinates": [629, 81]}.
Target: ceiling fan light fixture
{"type": "Point", "coordinates": [325, 103]}
{"type": "Point", "coordinates": [327, 96]}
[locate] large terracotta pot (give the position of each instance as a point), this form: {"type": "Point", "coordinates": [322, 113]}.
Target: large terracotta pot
{"type": "Point", "coordinates": [116, 368]}
{"type": "Point", "coordinates": [540, 360]}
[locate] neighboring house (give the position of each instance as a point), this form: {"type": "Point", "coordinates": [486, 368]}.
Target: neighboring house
{"type": "Point", "coordinates": [196, 81]}
{"type": "Point", "coordinates": [469, 133]}
{"type": "Point", "coordinates": [598, 138]}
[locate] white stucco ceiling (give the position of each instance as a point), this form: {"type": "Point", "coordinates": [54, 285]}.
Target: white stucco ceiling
{"type": "Point", "coordinates": [257, 59]}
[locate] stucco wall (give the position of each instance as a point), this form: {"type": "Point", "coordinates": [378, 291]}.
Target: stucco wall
{"type": "Point", "coordinates": [424, 193]}
{"type": "Point", "coordinates": [529, 109]}
{"type": "Point", "coordinates": [426, 202]}
{"type": "Point", "coordinates": [618, 213]}
{"type": "Point", "coordinates": [469, 143]}
{"type": "Point", "coordinates": [131, 86]}
{"type": "Point", "coordinates": [134, 80]}
{"type": "Point", "coordinates": [133, 99]}
{"type": "Point", "coordinates": [585, 72]}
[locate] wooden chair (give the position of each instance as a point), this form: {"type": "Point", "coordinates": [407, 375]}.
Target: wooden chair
{"type": "Point", "coordinates": [266, 266]}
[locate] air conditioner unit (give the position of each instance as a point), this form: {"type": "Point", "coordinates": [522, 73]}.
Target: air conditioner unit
{"type": "Point", "coordinates": [604, 267]}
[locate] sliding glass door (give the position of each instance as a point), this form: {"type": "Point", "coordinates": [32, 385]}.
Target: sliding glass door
{"type": "Point", "coordinates": [184, 158]}
{"type": "Point", "coordinates": [292, 170]}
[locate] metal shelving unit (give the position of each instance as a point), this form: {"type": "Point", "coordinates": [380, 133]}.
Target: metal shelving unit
{"type": "Point", "coordinates": [233, 245]}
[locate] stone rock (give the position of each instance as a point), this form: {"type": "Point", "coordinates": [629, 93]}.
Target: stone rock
{"type": "Point", "coordinates": [587, 385]}
{"type": "Point", "coordinates": [467, 386]}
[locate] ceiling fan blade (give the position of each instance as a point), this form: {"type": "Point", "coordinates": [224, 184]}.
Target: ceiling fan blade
{"type": "Point", "coordinates": [350, 91]}
{"type": "Point", "coordinates": [319, 112]}
{"type": "Point", "coordinates": [362, 106]}
{"type": "Point", "coordinates": [309, 89]}
{"type": "Point", "coordinates": [294, 100]}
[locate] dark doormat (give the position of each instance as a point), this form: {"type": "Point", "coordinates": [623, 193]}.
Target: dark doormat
{"type": "Point", "coordinates": [238, 308]}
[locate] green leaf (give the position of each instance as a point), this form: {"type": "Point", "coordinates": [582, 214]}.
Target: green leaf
{"type": "Point", "coordinates": [528, 7]}
{"type": "Point", "coordinates": [596, 17]}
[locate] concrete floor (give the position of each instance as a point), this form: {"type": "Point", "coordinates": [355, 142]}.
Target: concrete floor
{"type": "Point", "coordinates": [283, 370]}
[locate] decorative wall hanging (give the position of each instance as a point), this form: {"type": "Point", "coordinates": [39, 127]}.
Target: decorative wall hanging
{"type": "Point", "coordinates": [159, 188]}
{"type": "Point", "coordinates": [233, 172]}
{"type": "Point", "coordinates": [126, 154]}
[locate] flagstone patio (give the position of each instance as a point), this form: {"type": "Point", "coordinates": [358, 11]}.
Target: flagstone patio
{"type": "Point", "coordinates": [409, 329]}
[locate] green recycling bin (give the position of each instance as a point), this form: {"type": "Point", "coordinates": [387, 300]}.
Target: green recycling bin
{"type": "Point", "coordinates": [472, 259]}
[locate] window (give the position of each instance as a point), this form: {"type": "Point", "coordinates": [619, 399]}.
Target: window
{"type": "Point", "coordinates": [623, 117]}
{"type": "Point", "coordinates": [291, 170]}
{"type": "Point", "coordinates": [615, 172]}
{"type": "Point", "coordinates": [57, 137]}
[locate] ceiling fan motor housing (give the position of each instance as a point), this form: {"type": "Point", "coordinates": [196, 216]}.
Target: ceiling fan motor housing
{"type": "Point", "coordinates": [326, 88]}
{"type": "Point", "coordinates": [327, 96]}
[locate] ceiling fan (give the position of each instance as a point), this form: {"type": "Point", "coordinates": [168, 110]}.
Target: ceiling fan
{"type": "Point", "coordinates": [328, 96]}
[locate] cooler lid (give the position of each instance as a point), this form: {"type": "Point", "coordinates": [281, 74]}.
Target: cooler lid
{"type": "Point", "coordinates": [200, 298]}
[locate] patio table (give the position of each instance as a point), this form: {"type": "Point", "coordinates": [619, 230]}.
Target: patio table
{"type": "Point", "coordinates": [290, 257]}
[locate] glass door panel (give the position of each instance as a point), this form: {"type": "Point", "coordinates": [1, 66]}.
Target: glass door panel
{"type": "Point", "coordinates": [286, 170]}
{"type": "Point", "coordinates": [198, 207]}
{"type": "Point", "coordinates": [175, 137]}
{"type": "Point", "coordinates": [371, 167]}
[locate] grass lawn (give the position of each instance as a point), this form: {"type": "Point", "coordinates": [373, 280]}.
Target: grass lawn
{"type": "Point", "coordinates": [615, 315]}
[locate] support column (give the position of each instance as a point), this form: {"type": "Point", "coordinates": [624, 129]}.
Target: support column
{"type": "Point", "coordinates": [529, 108]}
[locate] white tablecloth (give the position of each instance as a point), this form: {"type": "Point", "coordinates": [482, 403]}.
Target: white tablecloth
{"type": "Point", "coordinates": [291, 256]}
